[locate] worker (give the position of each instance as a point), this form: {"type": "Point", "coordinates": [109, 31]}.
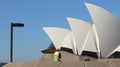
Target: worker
{"type": "Point", "coordinates": [57, 55]}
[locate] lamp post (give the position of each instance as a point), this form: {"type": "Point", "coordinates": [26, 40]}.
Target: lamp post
{"type": "Point", "coordinates": [11, 38]}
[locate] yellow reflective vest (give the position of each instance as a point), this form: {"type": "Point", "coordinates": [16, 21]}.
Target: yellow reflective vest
{"type": "Point", "coordinates": [56, 56]}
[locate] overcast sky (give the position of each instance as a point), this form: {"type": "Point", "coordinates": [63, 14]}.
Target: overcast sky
{"type": "Point", "coordinates": [35, 14]}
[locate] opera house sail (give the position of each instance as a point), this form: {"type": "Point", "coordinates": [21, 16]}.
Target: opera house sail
{"type": "Point", "coordinates": [57, 35]}
{"type": "Point", "coordinates": [80, 29]}
{"type": "Point", "coordinates": [107, 27]}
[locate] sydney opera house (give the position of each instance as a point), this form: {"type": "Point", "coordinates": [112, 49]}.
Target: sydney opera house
{"type": "Point", "coordinates": [102, 37]}
{"type": "Point", "coordinates": [85, 44]}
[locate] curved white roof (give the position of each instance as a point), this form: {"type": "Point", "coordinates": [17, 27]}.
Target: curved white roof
{"type": "Point", "coordinates": [80, 29]}
{"type": "Point", "coordinates": [117, 49]}
{"type": "Point", "coordinates": [56, 35]}
{"type": "Point", "coordinates": [89, 44]}
{"type": "Point", "coordinates": [107, 27]}
{"type": "Point", "coordinates": [96, 41]}
{"type": "Point", "coordinates": [68, 42]}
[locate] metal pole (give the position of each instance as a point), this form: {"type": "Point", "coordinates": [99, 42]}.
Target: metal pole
{"type": "Point", "coordinates": [11, 38]}
{"type": "Point", "coordinates": [11, 43]}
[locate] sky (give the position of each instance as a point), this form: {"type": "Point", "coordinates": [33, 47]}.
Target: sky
{"type": "Point", "coordinates": [29, 40]}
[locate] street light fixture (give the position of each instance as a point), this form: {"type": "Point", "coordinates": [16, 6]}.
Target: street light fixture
{"type": "Point", "coordinates": [11, 38]}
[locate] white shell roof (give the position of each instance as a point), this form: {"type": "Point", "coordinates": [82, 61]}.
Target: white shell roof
{"type": "Point", "coordinates": [107, 27]}
{"type": "Point", "coordinates": [117, 49]}
{"type": "Point", "coordinates": [68, 42]}
{"type": "Point", "coordinates": [89, 44]}
{"type": "Point", "coordinates": [96, 41]}
{"type": "Point", "coordinates": [80, 29]}
{"type": "Point", "coordinates": [56, 35]}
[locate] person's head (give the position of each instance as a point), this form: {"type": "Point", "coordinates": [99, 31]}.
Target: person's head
{"type": "Point", "coordinates": [57, 49]}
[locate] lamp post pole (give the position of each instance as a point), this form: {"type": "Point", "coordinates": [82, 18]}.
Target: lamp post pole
{"type": "Point", "coordinates": [11, 43]}
{"type": "Point", "coordinates": [11, 38]}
